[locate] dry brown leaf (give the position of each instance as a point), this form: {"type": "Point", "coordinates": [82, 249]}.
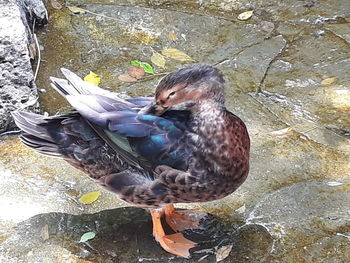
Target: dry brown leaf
{"type": "Point", "coordinates": [32, 50]}
{"type": "Point", "coordinates": [55, 4]}
{"type": "Point", "coordinates": [126, 78]}
{"type": "Point", "coordinates": [176, 54]}
{"type": "Point", "coordinates": [76, 10]}
{"type": "Point", "coordinates": [327, 81]}
{"type": "Point", "coordinates": [158, 60]}
{"type": "Point", "coordinates": [172, 36]}
{"type": "Point", "coordinates": [136, 72]}
{"type": "Point", "coordinates": [245, 15]}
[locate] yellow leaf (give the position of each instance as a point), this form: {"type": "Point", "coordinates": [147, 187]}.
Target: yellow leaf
{"type": "Point", "coordinates": [158, 60]}
{"type": "Point", "coordinates": [327, 81]}
{"type": "Point", "coordinates": [176, 54]}
{"type": "Point", "coordinates": [245, 15]}
{"type": "Point", "coordinates": [76, 10]}
{"type": "Point", "coordinates": [172, 36]}
{"type": "Point", "coordinates": [89, 198]}
{"type": "Point", "coordinates": [93, 78]}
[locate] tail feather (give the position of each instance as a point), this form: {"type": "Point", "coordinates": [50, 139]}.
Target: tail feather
{"type": "Point", "coordinates": [71, 138]}
{"type": "Point", "coordinates": [41, 146]}
{"type": "Point", "coordinates": [30, 123]}
{"type": "Point", "coordinates": [62, 86]}
{"type": "Point", "coordinates": [36, 136]}
{"type": "Point", "coordinates": [74, 85]}
{"type": "Point", "coordinates": [35, 142]}
{"type": "Point", "coordinates": [81, 86]}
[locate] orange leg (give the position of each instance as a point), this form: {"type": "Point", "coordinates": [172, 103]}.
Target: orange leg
{"type": "Point", "coordinates": [181, 220]}
{"type": "Point", "coordinates": [176, 243]}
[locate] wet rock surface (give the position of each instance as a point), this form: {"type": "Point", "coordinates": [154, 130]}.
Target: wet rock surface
{"type": "Point", "coordinates": [17, 87]}
{"type": "Point", "coordinates": [294, 206]}
{"type": "Point", "coordinates": [122, 235]}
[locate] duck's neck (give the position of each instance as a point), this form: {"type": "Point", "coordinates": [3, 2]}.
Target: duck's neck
{"type": "Point", "coordinates": [207, 113]}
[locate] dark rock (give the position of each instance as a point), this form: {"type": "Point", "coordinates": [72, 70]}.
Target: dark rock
{"type": "Point", "coordinates": [17, 88]}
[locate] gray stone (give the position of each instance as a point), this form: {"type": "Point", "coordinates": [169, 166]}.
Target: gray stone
{"type": "Point", "coordinates": [17, 87]}
{"type": "Point", "coordinates": [310, 215]}
{"type": "Point", "coordinates": [254, 61]}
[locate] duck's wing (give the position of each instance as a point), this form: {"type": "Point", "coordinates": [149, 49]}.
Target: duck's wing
{"type": "Point", "coordinates": [71, 138]}
{"type": "Point", "coordinates": [143, 140]}
{"type": "Point", "coordinates": [148, 137]}
{"type": "Point", "coordinates": [140, 101]}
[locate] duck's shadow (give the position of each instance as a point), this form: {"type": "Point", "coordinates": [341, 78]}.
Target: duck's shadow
{"type": "Point", "coordinates": [122, 235]}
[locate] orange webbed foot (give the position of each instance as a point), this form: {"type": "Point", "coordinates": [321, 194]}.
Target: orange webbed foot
{"type": "Point", "coordinates": [176, 243]}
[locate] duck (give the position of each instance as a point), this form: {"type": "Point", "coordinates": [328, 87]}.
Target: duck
{"type": "Point", "coordinates": [179, 146]}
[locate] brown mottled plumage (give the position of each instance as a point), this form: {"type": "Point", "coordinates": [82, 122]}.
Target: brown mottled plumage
{"type": "Point", "coordinates": [181, 146]}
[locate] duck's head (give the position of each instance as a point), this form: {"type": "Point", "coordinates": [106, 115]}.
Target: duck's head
{"type": "Point", "coordinates": [187, 88]}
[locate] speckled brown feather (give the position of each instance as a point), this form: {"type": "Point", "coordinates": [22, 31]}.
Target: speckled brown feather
{"type": "Point", "coordinates": [219, 165]}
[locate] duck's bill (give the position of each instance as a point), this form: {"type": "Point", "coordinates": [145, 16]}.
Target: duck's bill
{"type": "Point", "coordinates": [157, 110]}
{"type": "Point", "coordinates": [153, 109]}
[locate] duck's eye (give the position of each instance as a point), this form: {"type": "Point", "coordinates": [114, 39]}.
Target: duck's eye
{"type": "Point", "coordinates": [171, 94]}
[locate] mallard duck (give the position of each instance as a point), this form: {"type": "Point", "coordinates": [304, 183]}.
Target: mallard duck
{"type": "Point", "coordinates": [180, 146]}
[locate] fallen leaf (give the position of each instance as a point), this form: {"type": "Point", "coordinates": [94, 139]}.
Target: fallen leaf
{"type": "Point", "coordinates": [136, 72]}
{"type": "Point", "coordinates": [327, 81]}
{"type": "Point", "coordinates": [44, 233]}
{"type": "Point", "coordinates": [146, 67]}
{"type": "Point", "coordinates": [135, 63]}
{"type": "Point", "coordinates": [32, 50]}
{"type": "Point", "coordinates": [89, 198]}
{"type": "Point", "coordinates": [76, 10]}
{"type": "Point", "coordinates": [245, 15]}
{"type": "Point", "coordinates": [172, 36]}
{"type": "Point", "coordinates": [334, 183]}
{"type": "Point", "coordinates": [281, 132]}
{"type": "Point", "coordinates": [87, 236]}
{"type": "Point", "coordinates": [93, 78]}
{"type": "Point", "coordinates": [126, 78]}
{"type": "Point", "coordinates": [223, 252]}
{"type": "Point", "coordinates": [55, 4]}
{"type": "Point", "coordinates": [158, 60]}
{"type": "Point", "coordinates": [176, 54]}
